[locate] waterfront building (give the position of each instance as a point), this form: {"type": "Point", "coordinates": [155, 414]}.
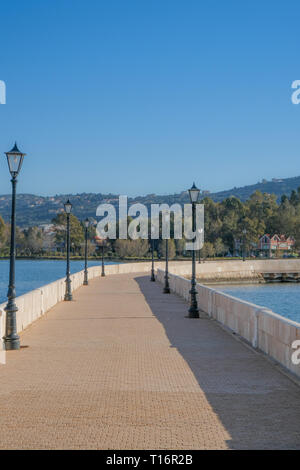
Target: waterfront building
{"type": "Point", "coordinates": [270, 244]}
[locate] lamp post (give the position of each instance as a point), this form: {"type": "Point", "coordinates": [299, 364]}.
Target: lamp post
{"type": "Point", "coordinates": [101, 242]}
{"type": "Point", "coordinates": [166, 219]}
{"type": "Point", "coordinates": [11, 338]}
{"type": "Point", "coordinates": [68, 294]}
{"type": "Point", "coordinates": [244, 244]}
{"type": "Point", "coordinates": [86, 226]}
{"type": "Point", "coordinates": [166, 286]}
{"type": "Point", "coordinates": [152, 262]}
{"type": "Point", "coordinates": [102, 261]}
{"type": "Point", "coordinates": [193, 310]}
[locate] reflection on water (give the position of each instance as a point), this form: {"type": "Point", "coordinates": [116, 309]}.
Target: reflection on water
{"type": "Point", "coordinates": [31, 274]}
{"type": "Point", "coordinates": [282, 298]}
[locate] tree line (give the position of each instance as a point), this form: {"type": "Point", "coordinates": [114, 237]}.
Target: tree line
{"type": "Point", "coordinates": [225, 222]}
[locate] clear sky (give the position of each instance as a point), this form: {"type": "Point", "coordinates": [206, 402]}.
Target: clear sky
{"type": "Point", "coordinates": [142, 96]}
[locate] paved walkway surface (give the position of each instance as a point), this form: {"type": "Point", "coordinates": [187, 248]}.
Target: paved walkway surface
{"type": "Point", "coordinates": [121, 368]}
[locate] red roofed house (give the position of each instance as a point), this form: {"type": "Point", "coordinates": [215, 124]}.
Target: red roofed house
{"type": "Point", "coordinates": [268, 243]}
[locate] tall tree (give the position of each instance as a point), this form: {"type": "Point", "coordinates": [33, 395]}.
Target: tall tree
{"type": "Point", "coordinates": [76, 231]}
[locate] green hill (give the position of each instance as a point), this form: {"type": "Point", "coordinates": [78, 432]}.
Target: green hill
{"type": "Point", "coordinates": [285, 186]}
{"type": "Point", "coordinates": [36, 210]}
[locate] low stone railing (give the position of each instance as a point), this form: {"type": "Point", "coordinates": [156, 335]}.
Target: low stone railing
{"type": "Point", "coordinates": [237, 270]}
{"type": "Point", "coordinates": [263, 329]}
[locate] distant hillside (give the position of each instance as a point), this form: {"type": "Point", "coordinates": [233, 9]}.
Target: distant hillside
{"type": "Point", "coordinates": [282, 186]}
{"type": "Point", "coordinates": [36, 210]}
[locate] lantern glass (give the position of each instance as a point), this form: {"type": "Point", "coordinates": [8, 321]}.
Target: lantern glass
{"type": "Point", "coordinates": [15, 160]}
{"type": "Point", "coordinates": [68, 207]}
{"type": "Point", "coordinates": [194, 193]}
{"type": "Point", "coordinates": [86, 223]}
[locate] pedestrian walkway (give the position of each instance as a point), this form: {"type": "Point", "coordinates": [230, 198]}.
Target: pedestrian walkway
{"type": "Point", "coordinates": [120, 367]}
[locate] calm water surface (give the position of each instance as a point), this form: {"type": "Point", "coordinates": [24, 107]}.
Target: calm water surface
{"type": "Point", "coordinates": [31, 274]}
{"type": "Point", "coordinates": [282, 298]}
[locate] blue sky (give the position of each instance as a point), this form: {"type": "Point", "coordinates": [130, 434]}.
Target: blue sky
{"type": "Point", "coordinates": [136, 96]}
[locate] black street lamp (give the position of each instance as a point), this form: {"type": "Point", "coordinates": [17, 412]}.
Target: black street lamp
{"type": "Point", "coordinates": [86, 226]}
{"type": "Point", "coordinates": [166, 286]}
{"type": "Point", "coordinates": [103, 269]}
{"type": "Point", "coordinates": [152, 260]}
{"type": "Point", "coordinates": [193, 310]}
{"type": "Point", "coordinates": [68, 294]}
{"type": "Point", "coordinates": [244, 244]}
{"type": "Point", "coordinates": [101, 242]}
{"type": "Point", "coordinates": [11, 338]}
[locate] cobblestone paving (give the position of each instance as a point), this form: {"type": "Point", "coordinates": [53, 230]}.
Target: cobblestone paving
{"type": "Point", "coordinates": [120, 367]}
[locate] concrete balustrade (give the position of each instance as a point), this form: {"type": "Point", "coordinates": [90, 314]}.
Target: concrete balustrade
{"type": "Point", "coordinates": [236, 270]}
{"type": "Point", "coordinates": [263, 329]}
{"type": "Point", "coordinates": [35, 303]}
